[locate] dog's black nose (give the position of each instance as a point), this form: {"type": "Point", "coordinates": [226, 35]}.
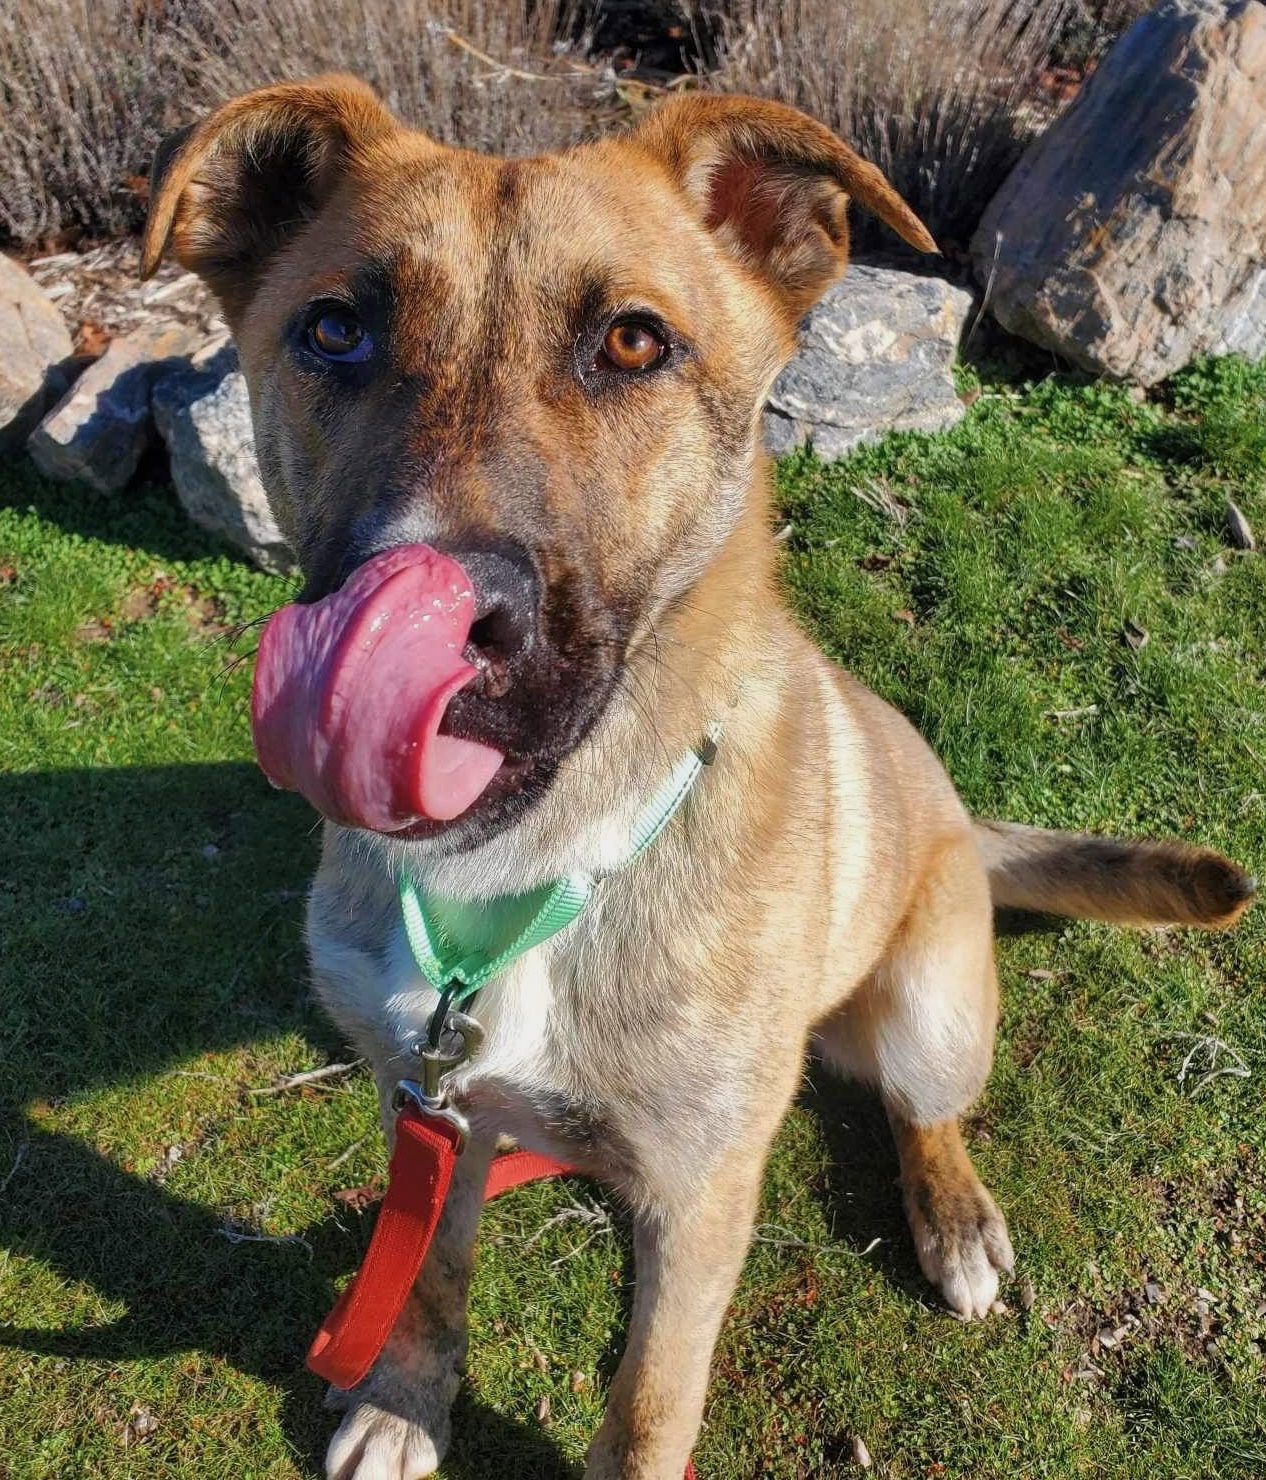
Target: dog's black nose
{"type": "Point", "coordinates": [507, 601]}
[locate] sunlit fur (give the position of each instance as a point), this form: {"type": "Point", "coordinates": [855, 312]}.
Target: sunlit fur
{"type": "Point", "coordinates": [823, 884]}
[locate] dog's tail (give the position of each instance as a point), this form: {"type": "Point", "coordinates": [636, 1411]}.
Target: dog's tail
{"type": "Point", "coordinates": [1125, 883]}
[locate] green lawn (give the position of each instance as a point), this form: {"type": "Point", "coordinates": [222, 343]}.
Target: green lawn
{"type": "Point", "coordinates": [152, 978]}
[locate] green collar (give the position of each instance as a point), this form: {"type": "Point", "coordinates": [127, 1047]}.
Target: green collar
{"type": "Point", "coordinates": [460, 945]}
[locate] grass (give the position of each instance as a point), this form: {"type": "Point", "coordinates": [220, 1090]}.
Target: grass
{"type": "Point", "coordinates": [152, 977]}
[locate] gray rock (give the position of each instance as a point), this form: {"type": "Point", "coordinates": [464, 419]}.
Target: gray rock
{"type": "Point", "coordinates": [34, 343]}
{"type": "Point", "coordinates": [99, 430]}
{"type": "Point", "coordinates": [875, 356]}
{"type": "Point", "coordinates": [204, 416]}
{"type": "Point", "coordinates": [1132, 235]}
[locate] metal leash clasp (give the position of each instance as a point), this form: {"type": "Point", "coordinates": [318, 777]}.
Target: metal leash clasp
{"type": "Point", "coordinates": [457, 1040]}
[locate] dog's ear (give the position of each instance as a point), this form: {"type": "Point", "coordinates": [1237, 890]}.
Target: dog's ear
{"type": "Point", "coordinates": [773, 184]}
{"type": "Point", "coordinates": [227, 192]}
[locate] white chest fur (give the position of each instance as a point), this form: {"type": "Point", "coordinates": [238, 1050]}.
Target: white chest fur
{"type": "Point", "coordinates": [515, 1010]}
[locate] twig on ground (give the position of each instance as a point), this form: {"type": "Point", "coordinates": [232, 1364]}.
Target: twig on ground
{"type": "Point", "coordinates": [309, 1076]}
{"type": "Point", "coordinates": [236, 1236]}
{"type": "Point", "coordinates": [1213, 1047]}
{"type": "Point", "coordinates": [877, 494]}
{"type": "Point", "coordinates": [988, 294]}
{"type": "Point", "coordinates": [578, 68]}
{"type": "Point", "coordinates": [1072, 713]}
{"type": "Point", "coordinates": [762, 1233]}
{"type": "Point", "coordinates": [19, 1157]}
{"type": "Point", "coordinates": [504, 68]}
{"type": "Point", "coordinates": [591, 1214]}
{"type": "Point", "coordinates": [346, 1155]}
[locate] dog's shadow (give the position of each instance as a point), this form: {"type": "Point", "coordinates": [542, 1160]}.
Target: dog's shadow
{"type": "Point", "coordinates": [152, 915]}
{"type": "Point", "coordinates": [859, 1187]}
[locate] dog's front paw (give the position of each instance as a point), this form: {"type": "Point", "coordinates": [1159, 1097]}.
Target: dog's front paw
{"type": "Point", "coordinates": [374, 1443]}
{"type": "Point", "coordinates": [962, 1243]}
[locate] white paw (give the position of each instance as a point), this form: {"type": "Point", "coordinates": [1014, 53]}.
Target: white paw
{"type": "Point", "coordinates": [962, 1249]}
{"type": "Point", "coordinates": [373, 1444]}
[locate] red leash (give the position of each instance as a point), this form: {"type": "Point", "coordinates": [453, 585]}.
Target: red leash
{"type": "Point", "coordinates": [356, 1330]}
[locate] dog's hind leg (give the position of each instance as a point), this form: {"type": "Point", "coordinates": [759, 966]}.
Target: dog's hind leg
{"type": "Point", "coordinates": [921, 1030]}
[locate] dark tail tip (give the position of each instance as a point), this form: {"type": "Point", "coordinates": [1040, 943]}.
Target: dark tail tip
{"type": "Point", "coordinates": [1220, 890]}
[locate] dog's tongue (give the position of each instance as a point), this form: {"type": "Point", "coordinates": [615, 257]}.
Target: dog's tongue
{"type": "Point", "coordinates": [350, 691]}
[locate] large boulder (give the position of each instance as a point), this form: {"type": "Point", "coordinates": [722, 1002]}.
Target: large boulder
{"type": "Point", "coordinates": [34, 349]}
{"type": "Point", "coordinates": [1132, 235]}
{"type": "Point", "coordinates": [876, 355]}
{"type": "Point", "coordinates": [204, 416]}
{"type": "Point", "coordinates": [100, 429]}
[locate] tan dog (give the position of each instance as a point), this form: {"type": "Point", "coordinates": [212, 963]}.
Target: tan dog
{"type": "Point", "coordinates": [554, 369]}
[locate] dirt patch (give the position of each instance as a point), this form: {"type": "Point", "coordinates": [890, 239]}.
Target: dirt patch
{"type": "Point", "coordinates": [204, 613]}
{"type": "Point", "coordinates": [99, 629]}
{"type": "Point", "coordinates": [139, 604]}
{"type": "Point", "coordinates": [1220, 1229]}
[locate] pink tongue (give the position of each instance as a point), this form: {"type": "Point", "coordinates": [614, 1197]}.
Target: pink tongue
{"type": "Point", "coordinates": [350, 691]}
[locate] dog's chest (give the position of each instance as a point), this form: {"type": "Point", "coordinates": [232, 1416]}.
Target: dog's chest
{"type": "Point", "coordinates": [531, 1078]}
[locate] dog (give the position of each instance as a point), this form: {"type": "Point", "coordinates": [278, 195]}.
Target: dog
{"type": "Point", "coordinates": [553, 369]}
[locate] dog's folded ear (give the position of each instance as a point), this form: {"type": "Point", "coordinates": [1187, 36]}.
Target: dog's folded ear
{"type": "Point", "coordinates": [227, 192]}
{"type": "Point", "coordinates": [773, 184]}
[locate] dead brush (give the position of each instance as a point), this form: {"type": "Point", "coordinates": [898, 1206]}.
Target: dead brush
{"type": "Point", "coordinates": [941, 94]}
{"type": "Point", "coordinates": [486, 74]}
{"type": "Point", "coordinates": [89, 87]}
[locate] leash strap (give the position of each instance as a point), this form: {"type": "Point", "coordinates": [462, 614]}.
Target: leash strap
{"type": "Point", "coordinates": [356, 1330]}
{"type": "Point", "coordinates": [459, 946]}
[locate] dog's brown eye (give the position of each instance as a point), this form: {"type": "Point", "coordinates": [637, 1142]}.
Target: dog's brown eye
{"type": "Point", "coordinates": [338, 335]}
{"type": "Point", "coordinates": [630, 345]}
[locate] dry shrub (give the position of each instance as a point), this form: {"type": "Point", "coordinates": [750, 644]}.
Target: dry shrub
{"type": "Point", "coordinates": [524, 94]}
{"type": "Point", "coordinates": [86, 89]}
{"type": "Point", "coordinates": [89, 87]}
{"type": "Point", "coordinates": [941, 94]}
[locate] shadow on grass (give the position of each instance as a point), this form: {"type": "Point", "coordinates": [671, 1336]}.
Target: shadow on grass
{"type": "Point", "coordinates": [861, 1191]}
{"type": "Point", "coordinates": [149, 516]}
{"type": "Point", "coordinates": [151, 915]}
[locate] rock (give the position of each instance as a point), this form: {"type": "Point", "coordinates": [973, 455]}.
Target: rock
{"type": "Point", "coordinates": [99, 430]}
{"type": "Point", "coordinates": [1131, 236]}
{"type": "Point", "coordinates": [1239, 530]}
{"type": "Point", "coordinates": [875, 356]}
{"type": "Point", "coordinates": [34, 344]}
{"type": "Point", "coordinates": [204, 416]}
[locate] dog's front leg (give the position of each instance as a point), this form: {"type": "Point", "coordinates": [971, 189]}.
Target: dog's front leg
{"type": "Point", "coordinates": [397, 1422]}
{"type": "Point", "coordinates": [688, 1253]}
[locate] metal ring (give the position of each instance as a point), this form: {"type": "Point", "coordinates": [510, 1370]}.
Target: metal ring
{"type": "Point", "coordinates": [434, 1107]}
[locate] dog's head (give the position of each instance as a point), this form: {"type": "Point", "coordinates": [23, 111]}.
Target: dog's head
{"type": "Point", "coordinates": [550, 368]}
